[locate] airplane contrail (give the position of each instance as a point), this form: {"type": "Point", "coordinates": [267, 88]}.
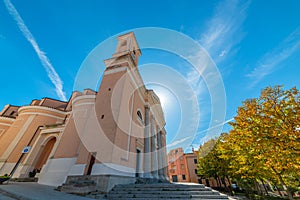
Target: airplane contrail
{"type": "Point", "coordinates": [52, 74]}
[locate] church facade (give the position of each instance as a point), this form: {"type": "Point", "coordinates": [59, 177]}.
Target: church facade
{"type": "Point", "coordinates": [114, 135]}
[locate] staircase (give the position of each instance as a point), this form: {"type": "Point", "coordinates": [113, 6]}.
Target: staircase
{"type": "Point", "coordinates": [80, 187]}
{"type": "Point", "coordinates": [163, 191]}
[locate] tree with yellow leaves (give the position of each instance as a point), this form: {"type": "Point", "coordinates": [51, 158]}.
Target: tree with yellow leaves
{"type": "Point", "coordinates": [264, 142]}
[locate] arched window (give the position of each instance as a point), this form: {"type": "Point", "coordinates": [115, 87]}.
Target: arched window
{"type": "Point", "coordinates": [139, 114]}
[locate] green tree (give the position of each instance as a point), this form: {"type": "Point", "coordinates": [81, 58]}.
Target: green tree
{"type": "Point", "coordinates": [210, 164]}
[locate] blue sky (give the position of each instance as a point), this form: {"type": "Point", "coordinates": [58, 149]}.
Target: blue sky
{"type": "Point", "coordinates": [253, 44]}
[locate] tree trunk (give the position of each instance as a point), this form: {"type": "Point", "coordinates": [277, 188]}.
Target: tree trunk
{"type": "Point", "coordinates": [220, 183]}
{"type": "Point", "coordinates": [283, 184]}
{"type": "Point", "coordinates": [230, 185]}
{"type": "Point", "coordinates": [262, 181]}
{"type": "Point", "coordinates": [228, 179]}
{"type": "Point", "coordinates": [207, 182]}
{"type": "Point", "coordinates": [285, 187]}
{"type": "Point", "coordinates": [256, 184]}
{"type": "Point", "coordinates": [224, 183]}
{"type": "Point", "coordinates": [270, 186]}
{"type": "Point", "coordinates": [278, 190]}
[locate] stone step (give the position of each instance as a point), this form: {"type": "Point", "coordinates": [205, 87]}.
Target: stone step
{"type": "Point", "coordinates": [155, 198]}
{"type": "Point", "coordinates": [209, 197]}
{"type": "Point", "coordinates": [80, 187]}
{"type": "Point", "coordinates": [163, 191]}
{"type": "Point", "coordinates": [209, 192]}
{"type": "Point", "coordinates": [83, 182]}
{"type": "Point", "coordinates": [28, 179]}
{"type": "Point", "coordinates": [162, 185]}
{"type": "Point", "coordinates": [78, 190]}
{"type": "Point", "coordinates": [166, 195]}
{"type": "Point", "coordinates": [136, 196]}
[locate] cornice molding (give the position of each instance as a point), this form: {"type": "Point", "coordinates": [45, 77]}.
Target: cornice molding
{"type": "Point", "coordinates": [7, 119]}
{"type": "Point", "coordinates": [82, 97]}
{"type": "Point", "coordinates": [43, 108]}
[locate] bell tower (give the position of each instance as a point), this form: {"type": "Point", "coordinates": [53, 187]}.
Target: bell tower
{"type": "Point", "coordinates": [127, 50]}
{"type": "Point", "coordinates": [117, 97]}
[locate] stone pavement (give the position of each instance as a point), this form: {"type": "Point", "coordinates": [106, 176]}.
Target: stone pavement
{"type": "Point", "coordinates": [33, 191]}
{"type": "Point", "coordinates": [2, 197]}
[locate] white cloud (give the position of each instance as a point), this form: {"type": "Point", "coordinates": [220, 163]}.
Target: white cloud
{"type": "Point", "coordinates": [224, 28]}
{"type": "Point", "coordinates": [195, 81]}
{"type": "Point", "coordinates": [198, 101]}
{"type": "Point", "coordinates": [267, 64]}
{"type": "Point", "coordinates": [223, 32]}
{"type": "Point", "coordinates": [223, 53]}
{"type": "Point", "coordinates": [211, 130]}
{"type": "Point", "coordinates": [178, 142]}
{"type": "Point", "coordinates": [53, 76]}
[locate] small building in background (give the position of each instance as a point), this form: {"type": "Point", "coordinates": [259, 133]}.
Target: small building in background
{"type": "Point", "coordinates": [182, 167]}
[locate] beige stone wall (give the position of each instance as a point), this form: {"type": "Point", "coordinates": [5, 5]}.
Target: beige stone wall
{"type": "Point", "coordinates": [53, 103]}
{"type": "Point", "coordinates": [24, 130]}
{"type": "Point", "coordinates": [69, 142]}
{"type": "Point", "coordinates": [104, 103]}
{"type": "Point", "coordinates": [5, 124]}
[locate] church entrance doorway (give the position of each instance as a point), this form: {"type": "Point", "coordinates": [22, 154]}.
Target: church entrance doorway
{"type": "Point", "coordinates": [91, 163]}
{"type": "Point", "coordinates": [45, 153]}
{"type": "Point", "coordinates": [138, 163]}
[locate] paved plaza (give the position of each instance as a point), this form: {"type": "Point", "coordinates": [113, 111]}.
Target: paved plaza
{"type": "Point", "coordinates": [33, 191]}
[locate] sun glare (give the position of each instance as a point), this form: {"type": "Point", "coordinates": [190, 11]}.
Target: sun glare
{"type": "Point", "coordinates": [163, 99]}
{"type": "Point", "coordinates": [166, 97]}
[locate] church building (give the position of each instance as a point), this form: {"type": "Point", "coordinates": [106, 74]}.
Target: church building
{"type": "Point", "coordinates": [112, 136]}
